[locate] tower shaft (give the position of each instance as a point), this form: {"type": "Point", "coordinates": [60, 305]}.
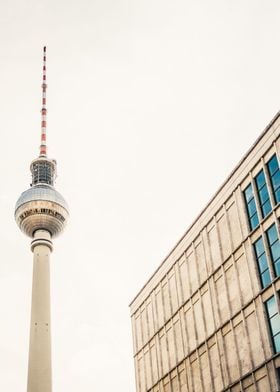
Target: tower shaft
{"type": "Point", "coordinates": [39, 365]}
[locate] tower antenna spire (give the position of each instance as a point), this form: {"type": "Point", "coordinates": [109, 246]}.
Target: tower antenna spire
{"type": "Point", "coordinates": [43, 145]}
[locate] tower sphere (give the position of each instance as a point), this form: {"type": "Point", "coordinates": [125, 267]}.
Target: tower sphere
{"type": "Point", "coordinates": [41, 208]}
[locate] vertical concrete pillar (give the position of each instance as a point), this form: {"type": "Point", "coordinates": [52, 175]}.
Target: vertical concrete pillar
{"type": "Point", "coordinates": [39, 365]}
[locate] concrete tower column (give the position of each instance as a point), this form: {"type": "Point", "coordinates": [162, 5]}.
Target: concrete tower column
{"type": "Point", "coordinates": [39, 365]}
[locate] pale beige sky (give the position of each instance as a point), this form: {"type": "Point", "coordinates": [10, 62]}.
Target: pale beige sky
{"type": "Point", "coordinates": [151, 104]}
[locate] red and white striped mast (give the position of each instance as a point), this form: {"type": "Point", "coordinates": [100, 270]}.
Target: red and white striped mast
{"type": "Point", "coordinates": [42, 168]}
{"type": "Point", "coordinates": [43, 146]}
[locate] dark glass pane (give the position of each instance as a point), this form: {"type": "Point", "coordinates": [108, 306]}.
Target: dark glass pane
{"type": "Point", "coordinates": [272, 234]}
{"type": "Point", "coordinates": [252, 207]}
{"type": "Point", "coordinates": [260, 179]}
{"type": "Point", "coordinates": [254, 221]}
{"type": "Point", "coordinates": [262, 262]}
{"type": "Point", "coordinates": [277, 343]}
{"type": "Point", "coordinates": [271, 306]}
{"type": "Point", "coordinates": [259, 248]}
{"type": "Point", "coordinates": [277, 196]}
{"type": "Point", "coordinates": [277, 268]}
{"type": "Point", "coordinates": [275, 179]}
{"type": "Point", "coordinates": [275, 324]}
{"type": "Point", "coordinates": [263, 193]}
{"type": "Point", "coordinates": [249, 193]}
{"type": "Point", "coordinates": [275, 251]}
{"type": "Point", "coordinates": [273, 165]}
{"type": "Point", "coordinates": [266, 208]}
{"type": "Point", "coordinates": [266, 278]}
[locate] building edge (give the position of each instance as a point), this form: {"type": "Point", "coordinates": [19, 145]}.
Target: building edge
{"type": "Point", "coordinates": [238, 165]}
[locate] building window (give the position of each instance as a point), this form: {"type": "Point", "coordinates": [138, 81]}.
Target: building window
{"type": "Point", "coordinates": [251, 207]}
{"type": "Point", "coordinates": [274, 253]}
{"type": "Point", "coordinates": [274, 174]}
{"type": "Point", "coordinates": [263, 193]}
{"type": "Point", "coordinates": [274, 248]}
{"type": "Point", "coordinates": [262, 262]}
{"type": "Point", "coordinates": [274, 322]}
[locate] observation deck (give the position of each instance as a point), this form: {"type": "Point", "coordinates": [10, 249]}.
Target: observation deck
{"type": "Point", "coordinates": [41, 207]}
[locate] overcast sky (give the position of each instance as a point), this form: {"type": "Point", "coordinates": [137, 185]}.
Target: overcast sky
{"type": "Point", "coordinates": [151, 103]}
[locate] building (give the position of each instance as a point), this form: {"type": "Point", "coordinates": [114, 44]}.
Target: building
{"type": "Point", "coordinates": [41, 213]}
{"type": "Point", "coordinates": [208, 318]}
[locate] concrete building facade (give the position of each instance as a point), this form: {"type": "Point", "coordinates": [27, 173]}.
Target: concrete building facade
{"type": "Point", "coordinates": [208, 318]}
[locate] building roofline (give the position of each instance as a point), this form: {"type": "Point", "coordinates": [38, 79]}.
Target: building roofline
{"type": "Point", "coordinates": [277, 115]}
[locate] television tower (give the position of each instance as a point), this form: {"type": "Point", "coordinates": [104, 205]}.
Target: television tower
{"type": "Point", "coordinates": [41, 213]}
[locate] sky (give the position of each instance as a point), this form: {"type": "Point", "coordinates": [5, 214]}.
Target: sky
{"type": "Point", "coordinates": [151, 104]}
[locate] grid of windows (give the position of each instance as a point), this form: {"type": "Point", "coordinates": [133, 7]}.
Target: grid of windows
{"type": "Point", "coordinates": [264, 197]}
{"type": "Point", "coordinates": [251, 207]}
{"type": "Point", "coordinates": [274, 322]}
{"type": "Point", "coordinates": [42, 172]}
{"type": "Point", "coordinates": [274, 173]}
{"type": "Point", "coordinates": [263, 193]}
{"type": "Point", "coordinates": [262, 262]}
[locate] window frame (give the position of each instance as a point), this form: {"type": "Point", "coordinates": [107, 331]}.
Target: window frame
{"type": "Point", "coordinates": [259, 189]}
{"type": "Point", "coordinates": [249, 200]}
{"type": "Point", "coordinates": [271, 175]}
{"type": "Point", "coordinates": [258, 257]}
{"type": "Point", "coordinates": [271, 327]}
